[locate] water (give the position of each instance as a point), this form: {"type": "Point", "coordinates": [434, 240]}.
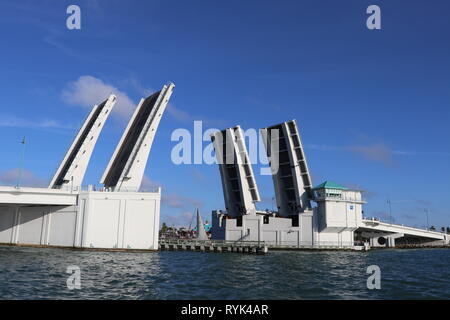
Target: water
{"type": "Point", "coordinates": [36, 273]}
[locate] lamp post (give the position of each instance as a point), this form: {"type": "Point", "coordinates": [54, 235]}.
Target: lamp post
{"type": "Point", "coordinates": [426, 211]}
{"type": "Point", "coordinates": [390, 211]}
{"type": "Point", "coordinates": [21, 163]}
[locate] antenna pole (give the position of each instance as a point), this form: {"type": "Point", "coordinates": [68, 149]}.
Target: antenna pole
{"type": "Point", "coordinates": [21, 163]}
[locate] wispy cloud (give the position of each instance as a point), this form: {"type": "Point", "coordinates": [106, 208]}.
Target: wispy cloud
{"type": "Point", "coordinates": [185, 117]}
{"type": "Point", "coordinates": [198, 175]}
{"type": "Point", "coordinates": [179, 114]}
{"type": "Point", "coordinates": [377, 152]}
{"type": "Point", "coordinates": [15, 122]}
{"type": "Point", "coordinates": [149, 185]}
{"type": "Point", "coordinates": [85, 92]}
{"type": "Point", "coordinates": [88, 90]}
{"type": "Point", "coordinates": [323, 147]}
{"type": "Point", "coordinates": [180, 202]}
{"type": "Point", "coordinates": [27, 178]}
{"type": "Point", "coordinates": [137, 86]}
{"type": "Point", "coordinates": [175, 202]}
{"type": "Point", "coordinates": [185, 219]}
{"type": "Point", "coordinates": [171, 200]}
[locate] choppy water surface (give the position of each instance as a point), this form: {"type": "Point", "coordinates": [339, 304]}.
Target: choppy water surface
{"type": "Point", "coordinates": [35, 273]}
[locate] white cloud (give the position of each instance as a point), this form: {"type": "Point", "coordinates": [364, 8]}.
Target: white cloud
{"type": "Point", "coordinates": [88, 90]}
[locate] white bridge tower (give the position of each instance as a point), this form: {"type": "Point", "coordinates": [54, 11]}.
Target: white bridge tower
{"type": "Point", "coordinates": [239, 185]}
{"type": "Point", "coordinates": [291, 178]}
{"type": "Point", "coordinates": [126, 167]}
{"type": "Point", "coordinates": [71, 171]}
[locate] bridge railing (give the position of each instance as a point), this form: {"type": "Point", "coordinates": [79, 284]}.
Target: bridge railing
{"type": "Point", "coordinates": [310, 244]}
{"type": "Point", "coordinates": [178, 241]}
{"type": "Point", "coordinates": [240, 243]}
{"type": "Point", "coordinates": [103, 189]}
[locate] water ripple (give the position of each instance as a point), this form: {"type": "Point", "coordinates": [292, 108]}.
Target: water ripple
{"type": "Point", "coordinates": [36, 273]}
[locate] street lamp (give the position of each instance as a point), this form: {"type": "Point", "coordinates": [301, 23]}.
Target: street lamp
{"type": "Point", "coordinates": [426, 211]}
{"type": "Point", "coordinates": [390, 211]}
{"type": "Point", "coordinates": [19, 178]}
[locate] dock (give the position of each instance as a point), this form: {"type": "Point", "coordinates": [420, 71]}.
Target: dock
{"type": "Point", "coordinates": [220, 246]}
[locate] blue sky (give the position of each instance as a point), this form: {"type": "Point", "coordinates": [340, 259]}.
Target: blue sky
{"type": "Point", "coordinates": [372, 105]}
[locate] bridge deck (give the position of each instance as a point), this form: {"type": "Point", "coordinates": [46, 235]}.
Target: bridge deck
{"type": "Point", "coordinates": [36, 196]}
{"type": "Point", "coordinates": [375, 225]}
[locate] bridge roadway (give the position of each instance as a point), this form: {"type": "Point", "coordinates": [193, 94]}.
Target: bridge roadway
{"type": "Point", "coordinates": [383, 227]}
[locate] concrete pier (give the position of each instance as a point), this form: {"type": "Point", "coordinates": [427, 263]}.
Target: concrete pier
{"type": "Point", "coordinates": [249, 247]}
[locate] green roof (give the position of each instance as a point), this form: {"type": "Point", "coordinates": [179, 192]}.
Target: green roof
{"type": "Point", "coordinates": [330, 185]}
